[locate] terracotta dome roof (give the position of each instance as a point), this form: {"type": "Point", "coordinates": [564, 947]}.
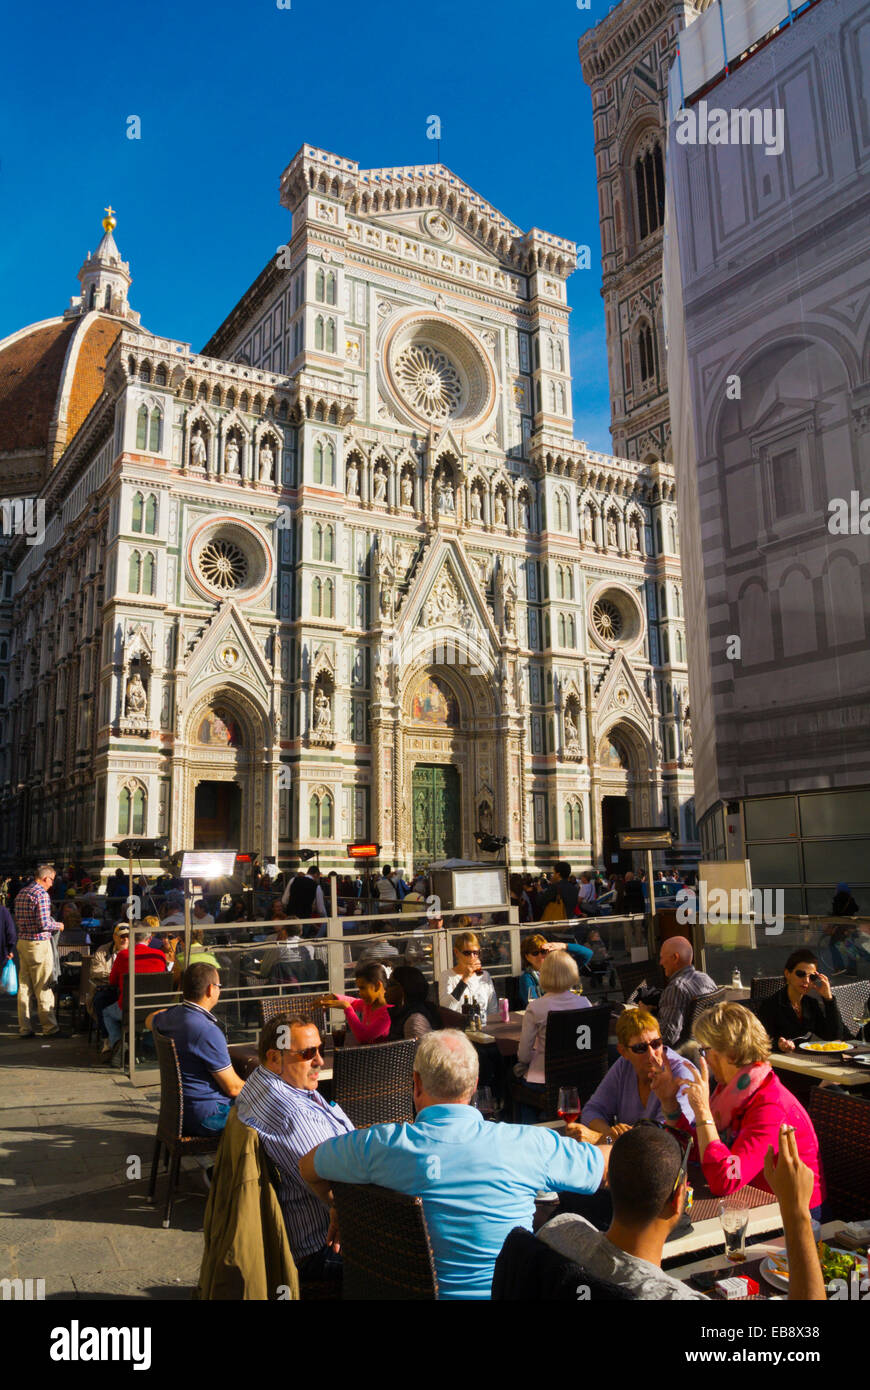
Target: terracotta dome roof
{"type": "Point", "coordinates": [31, 367]}
{"type": "Point", "coordinates": [52, 374]}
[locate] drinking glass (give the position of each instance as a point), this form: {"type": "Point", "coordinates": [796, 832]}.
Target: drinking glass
{"type": "Point", "coordinates": [569, 1104]}
{"type": "Point", "coordinates": [339, 1036]}
{"type": "Point", "coordinates": [735, 1218]}
{"type": "Point", "coordinates": [484, 1102]}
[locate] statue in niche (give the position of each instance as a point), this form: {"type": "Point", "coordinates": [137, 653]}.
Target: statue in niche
{"type": "Point", "coordinates": [386, 602]}
{"type": "Point", "coordinates": [589, 524]}
{"type": "Point", "coordinates": [267, 462]}
{"type": "Point", "coordinates": [525, 516]}
{"type": "Point", "coordinates": [476, 509]}
{"type": "Point", "coordinates": [446, 503]}
{"type": "Point", "coordinates": [198, 451]}
{"type": "Point", "coordinates": [322, 713]}
{"type": "Point", "coordinates": [380, 488]}
{"type": "Point", "coordinates": [352, 480]}
{"type": "Point", "coordinates": [231, 455]}
{"type": "Point", "coordinates": [484, 818]}
{"type": "Point", "coordinates": [407, 490]}
{"type": "Point", "coordinates": [687, 737]}
{"type": "Point", "coordinates": [500, 511]}
{"type": "Point", "coordinates": [634, 534]}
{"type": "Point", "coordinates": [136, 698]}
{"type": "Point", "coordinates": [611, 530]}
{"type": "Point", "coordinates": [572, 736]}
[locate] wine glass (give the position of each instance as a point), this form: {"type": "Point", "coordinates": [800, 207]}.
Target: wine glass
{"type": "Point", "coordinates": [484, 1102]}
{"type": "Point", "coordinates": [568, 1108]}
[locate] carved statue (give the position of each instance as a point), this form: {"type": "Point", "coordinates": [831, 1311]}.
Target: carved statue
{"type": "Point", "coordinates": [588, 524]}
{"type": "Point", "coordinates": [407, 490]}
{"type": "Point", "coordinates": [476, 511]}
{"type": "Point", "coordinates": [572, 737]}
{"type": "Point", "coordinates": [446, 502]}
{"type": "Point", "coordinates": [352, 480]}
{"type": "Point", "coordinates": [687, 736]}
{"type": "Point", "coordinates": [525, 515]}
{"type": "Point", "coordinates": [136, 700]}
{"type": "Point", "coordinates": [380, 482]}
{"type": "Point", "coordinates": [198, 451]}
{"type": "Point", "coordinates": [322, 713]}
{"type": "Point", "coordinates": [231, 455]}
{"type": "Point", "coordinates": [634, 534]}
{"type": "Point", "coordinates": [611, 530]}
{"type": "Point", "coordinates": [267, 462]}
{"type": "Point", "coordinates": [386, 602]}
{"type": "Point", "coordinates": [500, 512]}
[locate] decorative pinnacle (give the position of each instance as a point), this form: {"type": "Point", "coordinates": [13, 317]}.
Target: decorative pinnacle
{"type": "Point", "coordinates": [109, 221]}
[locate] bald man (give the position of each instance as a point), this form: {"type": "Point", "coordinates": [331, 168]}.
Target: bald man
{"type": "Point", "coordinates": [684, 983]}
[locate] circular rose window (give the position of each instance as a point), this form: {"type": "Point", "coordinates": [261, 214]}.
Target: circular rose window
{"type": "Point", "coordinates": [223, 565]}
{"type": "Point", "coordinates": [615, 617]}
{"type": "Point", "coordinates": [228, 558]}
{"type": "Point", "coordinates": [607, 620]}
{"type": "Point", "coordinates": [436, 372]}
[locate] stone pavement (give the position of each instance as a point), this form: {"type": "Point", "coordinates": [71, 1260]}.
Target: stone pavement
{"type": "Point", "coordinates": [72, 1210]}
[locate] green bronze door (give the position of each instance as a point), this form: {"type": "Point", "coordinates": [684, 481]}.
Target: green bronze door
{"type": "Point", "coordinates": [436, 813]}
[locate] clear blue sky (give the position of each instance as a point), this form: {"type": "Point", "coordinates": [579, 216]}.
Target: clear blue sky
{"type": "Point", "coordinates": [227, 93]}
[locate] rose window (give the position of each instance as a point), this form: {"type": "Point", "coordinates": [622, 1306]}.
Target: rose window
{"type": "Point", "coordinates": [223, 565]}
{"type": "Point", "coordinates": [607, 620]}
{"type": "Point", "coordinates": [428, 381]}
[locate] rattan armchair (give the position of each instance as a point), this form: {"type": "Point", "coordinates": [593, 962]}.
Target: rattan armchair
{"type": "Point", "coordinates": [699, 1005]}
{"type": "Point", "coordinates": [566, 1062]}
{"type": "Point", "coordinates": [842, 1125]}
{"type": "Point", "coordinates": [385, 1244]}
{"type": "Point", "coordinates": [375, 1084]}
{"type": "Point", "coordinates": [170, 1122]}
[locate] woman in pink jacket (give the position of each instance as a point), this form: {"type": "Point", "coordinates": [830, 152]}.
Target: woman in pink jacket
{"type": "Point", "coordinates": [368, 1017]}
{"type": "Point", "coordinates": [737, 1123]}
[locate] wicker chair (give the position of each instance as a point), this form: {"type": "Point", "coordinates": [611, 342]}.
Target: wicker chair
{"type": "Point", "coordinates": [170, 1122]}
{"type": "Point", "coordinates": [375, 1085]}
{"type": "Point", "coordinates": [699, 1005]}
{"type": "Point", "coordinates": [765, 987]}
{"type": "Point", "coordinates": [385, 1245]}
{"type": "Point", "coordinates": [637, 973]}
{"type": "Point", "coordinates": [842, 1124]}
{"type": "Point", "coordinates": [151, 992]}
{"type": "Point", "coordinates": [297, 1006]}
{"type": "Point", "coordinates": [852, 1000]}
{"type": "Point", "coordinates": [565, 1062]}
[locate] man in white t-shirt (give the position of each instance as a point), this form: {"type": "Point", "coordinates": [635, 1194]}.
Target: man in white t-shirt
{"type": "Point", "coordinates": [647, 1181]}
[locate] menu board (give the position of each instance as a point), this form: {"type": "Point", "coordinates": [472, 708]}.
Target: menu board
{"type": "Point", "coordinates": [479, 888]}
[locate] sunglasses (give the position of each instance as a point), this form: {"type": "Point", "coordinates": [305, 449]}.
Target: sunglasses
{"type": "Point", "coordinates": [308, 1053]}
{"type": "Point", "coordinates": [802, 974]}
{"type": "Point", "coordinates": [642, 1047]}
{"type": "Point", "coordinates": [469, 953]}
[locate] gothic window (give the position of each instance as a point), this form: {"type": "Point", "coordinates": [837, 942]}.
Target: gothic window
{"type": "Point", "coordinates": [135, 573]}
{"type": "Point", "coordinates": [142, 428]}
{"type": "Point", "coordinates": [320, 816]}
{"type": "Point", "coordinates": [328, 543]}
{"type": "Point", "coordinates": [160, 376]}
{"type": "Point", "coordinates": [150, 516]}
{"type": "Point", "coordinates": [318, 461]}
{"type": "Point", "coordinates": [320, 286]}
{"type": "Point", "coordinates": [649, 183]}
{"type": "Point", "coordinates": [646, 352]}
{"type": "Point", "coordinates": [659, 542]}
{"type": "Point", "coordinates": [538, 395]}
{"type": "Point", "coordinates": [679, 645]}
{"type": "Point", "coordinates": [328, 599]}
{"type": "Point", "coordinates": [571, 632]}
{"type": "Point", "coordinates": [330, 335]}
{"type": "Point", "coordinates": [663, 600]}
{"type": "Point", "coordinates": [569, 582]}
{"type": "Point", "coordinates": [672, 529]}
{"type": "Point", "coordinates": [316, 597]}
{"type": "Point", "coordinates": [553, 400]}
{"type": "Point", "coordinates": [317, 548]}
{"type": "Point", "coordinates": [573, 819]}
{"type": "Point", "coordinates": [138, 511]}
{"type": "Point", "coordinates": [329, 464]}
{"type": "Point", "coordinates": [92, 301]}
{"type": "Point", "coordinates": [536, 352]}
{"type": "Point", "coordinates": [154, 431]}
{"type": "Point", "coordinates": [131, 811]}
{"type": "Point", "coordinates": [148, 574]}
{"type": "Point", "coordinates": [562, 634]}
{"type": "Point", "coordinates": [318, 331]}
{"type": "Point", "coordinates": [666, 647]}
{"type": "Point", "coordinates": [331, 296]}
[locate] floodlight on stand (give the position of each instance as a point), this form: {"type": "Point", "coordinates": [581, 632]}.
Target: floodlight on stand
{"type": "Point", "coordinates": [208, 863]}
{"type": "Point", "coordinates": [490, 844]}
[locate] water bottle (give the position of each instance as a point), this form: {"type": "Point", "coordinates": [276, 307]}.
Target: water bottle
{"type": "Point", "coordinates": [736, 982]}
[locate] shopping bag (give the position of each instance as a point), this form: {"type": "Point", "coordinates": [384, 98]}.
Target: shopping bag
{"type": "Point", "coordinates": [9, 979]}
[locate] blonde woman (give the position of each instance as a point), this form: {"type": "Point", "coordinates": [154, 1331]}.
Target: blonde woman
{"type": "Point", "coordinates": [736, 1125]}
{"type": "Point", "coordinates": [467, 979]}
{"type": "Point", "coordinates": [559, 977]}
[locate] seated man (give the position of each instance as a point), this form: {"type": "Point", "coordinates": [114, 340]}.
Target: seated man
{"type": "Point", "coordinates": [209, 1081]}
{"type": "Point", "coordinates": [280, 1101]}
{"type": "Point", "coordinates": [647, 1181]}
{"type": "Point", "coordinates": [684, 983]}
{"type": "Point", "coordinates": [147, 961]}
{"type": "Point", "coordinates": [284, 954]}
{"type": "Point", "coordinates": [478, 1180]}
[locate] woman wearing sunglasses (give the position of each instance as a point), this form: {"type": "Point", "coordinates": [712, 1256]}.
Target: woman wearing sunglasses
{"type": "Point", "coordinates": [467, 979]}
{"type": "Point", "coordinates": [534, 951]}
{"type": "Point", "coordinates": [794, 1011]}
{"type": "Point", "coordinates": [626, 1094]}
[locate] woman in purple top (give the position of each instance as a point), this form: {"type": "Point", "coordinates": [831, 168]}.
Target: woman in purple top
{"type": "Point", "coordinates": [626, 1095]}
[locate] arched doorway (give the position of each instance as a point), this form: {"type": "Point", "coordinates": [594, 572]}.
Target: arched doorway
{"type": "Point", "coordinates": [621, 800]}
{"type": "Point", "coordinates": [219, 774]}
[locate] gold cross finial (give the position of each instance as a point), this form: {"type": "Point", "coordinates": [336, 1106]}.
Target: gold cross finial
{"type": "Point", "coordinates": [109, 221]}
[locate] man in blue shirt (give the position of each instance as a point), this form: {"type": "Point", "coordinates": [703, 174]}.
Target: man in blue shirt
{"type": "Point", "coordinates": [209, 1082]}
{"type": "Point", "coordinates": [281, 1102]}
{"type": "Point", "coordinates": [478, 1180]}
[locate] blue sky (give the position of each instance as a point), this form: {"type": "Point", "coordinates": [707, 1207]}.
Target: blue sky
{"type": "Point", "coordinates": [227, 93]}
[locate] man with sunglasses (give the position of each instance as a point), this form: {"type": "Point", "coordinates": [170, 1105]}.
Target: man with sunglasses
{"type": "Point", "coordinates": [281, 1102]}
{"type": "Point", "coordinates": [647, 1181]}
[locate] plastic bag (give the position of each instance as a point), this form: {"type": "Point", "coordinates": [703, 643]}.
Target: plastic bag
{"type": "Point", "coordinates": [9, 979]}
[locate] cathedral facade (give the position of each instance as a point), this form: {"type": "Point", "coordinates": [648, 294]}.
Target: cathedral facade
{"type": "Point", "coordinates": [344, 574]}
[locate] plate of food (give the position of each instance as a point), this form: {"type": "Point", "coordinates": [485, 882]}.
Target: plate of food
{"type": "Point", "coordinates": [826, 1049]}
{"type": "Point", "coordinates": [862, 1059]}
{"type": "Point", "coordinates": [836, 1264]}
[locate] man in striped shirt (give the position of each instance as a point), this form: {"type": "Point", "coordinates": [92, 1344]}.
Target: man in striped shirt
{"type": "Point", "coordinates": [281, 1102]}
{"type": "Point", "coordinates": [36, 926]}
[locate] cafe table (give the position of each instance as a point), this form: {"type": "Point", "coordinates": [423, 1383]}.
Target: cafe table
{"type": "Point", "coordinates": [817, 1067]}
{"type": "Point", "coordinates": [717, 1264]}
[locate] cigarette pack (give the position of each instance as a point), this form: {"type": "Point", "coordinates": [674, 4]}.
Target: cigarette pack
{"type": "Point", "coordinates": [738, 1286]}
